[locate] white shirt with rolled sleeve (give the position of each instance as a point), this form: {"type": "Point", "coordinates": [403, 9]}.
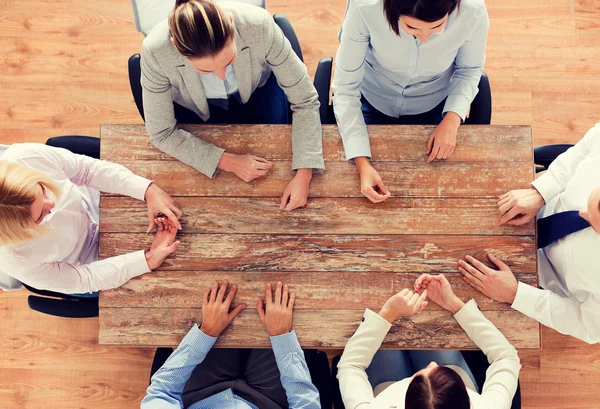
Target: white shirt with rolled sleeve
{"type": "Point", "coordinates": [65, 258]}
{"type": "Point", "coordinates": [569, 269]}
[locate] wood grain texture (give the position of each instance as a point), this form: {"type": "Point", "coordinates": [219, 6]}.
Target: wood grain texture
{"type": "Point", "coordinates": [320, 216]}
{"type": "Point", "coordinates": [351, 253]}
{"type": "Point", "coordinates": [315, 328]}
{"type": "Point", "coordinates": [274, 142]}
{"type": "Point", "coordinates": [342, 180]}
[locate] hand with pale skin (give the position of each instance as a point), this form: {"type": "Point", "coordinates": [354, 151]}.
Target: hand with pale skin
{"type": "Point", "coordinates": [439, 291]}
{"type": "Point", "coordinates": [442, 141]}
{"type": "Point", "coordinates": [161, 204]}
{"type": "Point", "coordinates": [276, 313]}
{"type": "Point", "coordinates": [245, 167]}
{"type": "Point", "coordinates": [216, 303]}
{"type": "Point", "coordinates": [500, 285]}
{"type": "Point", "coordinates": [164, 243]}
{"type": "Point", "coordinates": [406, 303]}
{"type": "Point", "coordinates": [295, 194]}
{"type": "Point", "coordinates": [371, 184]}
{"type": "Point", "coordinates": [518, 207]}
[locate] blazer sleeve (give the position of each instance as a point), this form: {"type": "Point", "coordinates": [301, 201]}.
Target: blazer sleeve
{"type": "Point", "coordinates": [292, 77]}
{"type": "Point", "coordinates": [355, 388]}
{"type": "Point", "coordinates": [162, 125]}
{"type": "Point", "coordinates": [503, 374]}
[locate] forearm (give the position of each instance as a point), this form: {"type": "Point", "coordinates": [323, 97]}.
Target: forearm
{"type": "Point", "coordinates": [307, 140]}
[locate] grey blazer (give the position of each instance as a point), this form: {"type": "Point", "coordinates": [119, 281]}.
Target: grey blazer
{"type": "Point", "coordinates": [168, 77]}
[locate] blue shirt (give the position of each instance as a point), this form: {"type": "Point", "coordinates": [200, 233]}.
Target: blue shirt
{"type": "Point", "coordinates": [399, 75]}
{"type": "Point", "coordinates": [167, 383]}
{"type": "Point", "coordinates": [218, 91]}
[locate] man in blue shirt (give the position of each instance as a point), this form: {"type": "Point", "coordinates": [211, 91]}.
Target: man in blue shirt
{"type": "Point", "coordinates": [196, 376]}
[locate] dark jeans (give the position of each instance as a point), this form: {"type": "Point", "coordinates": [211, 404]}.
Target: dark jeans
{"type": "Point", "coordinates": [251, 373]}
{"type": "Point", "coordinates": [374, 117]}
{"type": "Point", "coordinates": [267, 105]}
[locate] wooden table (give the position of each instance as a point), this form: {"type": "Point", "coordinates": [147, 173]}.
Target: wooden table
{"type": "Point", "coordinates": [340, 254]}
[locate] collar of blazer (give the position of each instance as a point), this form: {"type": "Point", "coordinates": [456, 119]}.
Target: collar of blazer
{"type": "Point", "coordinates": [243, 75]}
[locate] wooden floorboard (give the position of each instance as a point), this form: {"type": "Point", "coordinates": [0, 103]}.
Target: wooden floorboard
{"type": "Point", "coordinates": [63, 71]}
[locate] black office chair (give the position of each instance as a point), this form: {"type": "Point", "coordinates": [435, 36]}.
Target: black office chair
{"type": "Point", "coordinates": [476, 360]}
{"type": "Point", "coordinates": [322, 80]}
{"type": "Point", "coordinates": [543, 156]}
{"type": "Point", "coordinates": [317, 363]}
{"type": "Point", "coordinates": [481, 108]}
{"type": "Point", "coordinates": [58, 304]}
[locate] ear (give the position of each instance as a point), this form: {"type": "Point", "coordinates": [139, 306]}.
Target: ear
{"type": "Point", "coordinates": [172, 40]}
{"type": "Point", "coordinates": [231, 18]}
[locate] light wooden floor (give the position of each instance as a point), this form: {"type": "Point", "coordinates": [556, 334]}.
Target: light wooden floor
{"type": "Point", "coordinates": [63, 70]}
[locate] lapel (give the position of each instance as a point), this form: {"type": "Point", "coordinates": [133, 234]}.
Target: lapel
{"type": "Point", "coordinates": [191, 78]}
{"type": "Point", "coordinates": [243, 68]}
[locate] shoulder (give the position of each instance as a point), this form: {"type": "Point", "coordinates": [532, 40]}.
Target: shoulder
{"type": "Point", "coordinates": [473, 9]}
{"type": "Point", "coordinates": [158, 40]}
{"type": "Point", "coordinates": [246, 16]}
{"type": "Point", "coordinates": [29, 153]}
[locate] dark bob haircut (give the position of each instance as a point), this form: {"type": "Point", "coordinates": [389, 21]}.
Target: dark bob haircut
{"type": "Point", "coordinates": [442, 389]}
{"type": "Point", "coordinates": [424, 10]}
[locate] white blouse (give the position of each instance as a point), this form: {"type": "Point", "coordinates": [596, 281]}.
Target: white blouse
{"type": "Point", "coordinates": [65, 259]}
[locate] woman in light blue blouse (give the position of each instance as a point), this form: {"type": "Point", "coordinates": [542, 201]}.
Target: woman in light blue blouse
{"type": "Point", "coordinates": [406, 62]}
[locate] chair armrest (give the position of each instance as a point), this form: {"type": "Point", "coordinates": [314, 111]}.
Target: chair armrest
{"type": "Point", "coordinates": [135, 82]}
{"type": "Point", "coordinates": [322, 84]}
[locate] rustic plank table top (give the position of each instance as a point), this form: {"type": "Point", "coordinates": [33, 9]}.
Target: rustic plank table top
{"type": "Point", "coordinates": [340, 254]}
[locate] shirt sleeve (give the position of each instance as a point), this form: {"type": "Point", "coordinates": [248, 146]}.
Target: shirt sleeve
{"type": "Point", "coordinates": [168, 382]}
{"type": "Point", "coordinates": [567, 316]}
{"type": "Point", "coordinates": [349, 73]}
{"type": "Point", "coordinates": [554, 180]}
{"type": "Point", "coordinates": [162, 125]}
{"type": "Point", "coordinates": [81, 278]}
{"type": "Point", "coordinates": [85, 171]}
{"type": "Point", "coordinates": [468, 68]}
{"type": "Point", "coordinates": [502, 376]}
{"type": "Point", "coordinates": [292, 77]}
{"type": "Point", "coordinates": [295, 376]}
{"type": "Point", "coordinates": [359, 352]}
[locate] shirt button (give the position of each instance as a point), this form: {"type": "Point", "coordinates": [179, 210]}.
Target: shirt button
{"type": "Point", "coordinates": [363, 319]}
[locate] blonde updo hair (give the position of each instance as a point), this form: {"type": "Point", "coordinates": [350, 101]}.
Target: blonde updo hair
{"type": "Point", "coordinates": [200, 28]}
{"type": "Point", "coordinates": [19, 187]}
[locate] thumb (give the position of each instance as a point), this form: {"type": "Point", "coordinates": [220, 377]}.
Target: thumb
{"type": "Point", "coordinates": [284, 198]}
{"type": "Point", "coordinates": [260, 309]}
{"type": "Point", "coordinates": [173, 247]}
{"type": "Point", "coordinates": [150, 226]}
{"type": "Point", "coordinates": [499, 263]}
{"type": "Point", "coordinates": [424, 304]}
{"type": "Point", "coordinates": [236, 311]}
{"type": "Point", "coordinates": [430, 144]}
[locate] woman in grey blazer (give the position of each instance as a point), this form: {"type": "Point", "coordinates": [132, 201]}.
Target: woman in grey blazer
{"type": "Point", "coordinates": [228, 64]}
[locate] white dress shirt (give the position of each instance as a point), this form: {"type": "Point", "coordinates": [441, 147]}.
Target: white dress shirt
{"type": "Point", "coordinates": [399, 75]}
{"type": "Point", "coordinates": [501, 377]}
{"type": "Point", "coordinates": [65, 258]}
{"type": "Point", "coordinates": [569, 269]}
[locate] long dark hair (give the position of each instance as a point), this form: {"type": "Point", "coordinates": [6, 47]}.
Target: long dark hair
{"type": "Point", "coordinates": [200, 28]}
{"type": "Point", "coordinates": [424, 10]}
{"type": "Point", "coordinates": [443, 388]}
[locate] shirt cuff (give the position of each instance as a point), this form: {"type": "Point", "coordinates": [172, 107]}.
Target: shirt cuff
{"type": "Point", "coordinates": [199, 340]}
{"type": "Point", "coordinates": [211, 167]}
{"type": "Point", "coordinates": [316, 163]}
{"type": "Point", "coordinates": [371, 318]}
{"type": "Point", "coordinates": [136, 263]}
{"type": "Point", "coordinates": [285, 344]}
{"type": "Point", "coordinates": [137, 187]}
{"type": "Point", "coordinates": [458, 104]}
{"type": "Point", "coordinates": [525, 299]}
{"type": "Point", "coordinates": [467, 311]}
{"type": "Point", "coordinates": [547, 186]}
{"type": "Point", "coordinates": [357, 146]}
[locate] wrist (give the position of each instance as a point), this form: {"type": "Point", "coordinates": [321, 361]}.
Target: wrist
{"type": "Point", "coordinates": [226, 162]}
{"type": "Point", "coordinates": [149, 190]}
{"type": "Point", "coordinates": [539, 196]}
{"type": "Point", "coordinates": [150, 259]}
{"type": "Point", "coordinates": [453, 118]}
{"type": "Point", "coordinates": [305, 174]}
{"type": "Point", "coordinates": [510, 299]}
{"type": "Point", "coordinates": [387, 315]}
{"type": "Point", "coordinates": [456, 305]}
{"type": "Point", "coordinates": [209, 332]}
{"type": "Point", "coordinates": [361, 163]}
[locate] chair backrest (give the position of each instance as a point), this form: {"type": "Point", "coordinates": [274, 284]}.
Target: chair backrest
{"type": "Point", "coordinates": [148, 13]}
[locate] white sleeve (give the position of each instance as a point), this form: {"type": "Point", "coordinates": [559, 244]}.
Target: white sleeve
{"type": "Point", "coordinates": [502, 376]}
{"type": "Point", "coordinates": [554, 180]}
{"type": "Point", "coordinates": [567, 316]}
{"type": "Point", "coordinates": [83, 170]}
{"type": "Point", "coordinates": [354, 384]}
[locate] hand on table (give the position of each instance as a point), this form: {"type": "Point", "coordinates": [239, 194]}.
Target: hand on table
{"type": "Point", "coordinates": [295, 194]}
{"type": "Point", "coordinates": [164, 243]}
{"type": "Point", "coordinates": [500, 285]}
{"type": "Point", "coordinates": [276, 314]}
{"type": "Point", "coordinates": [439, 291]}
{"type": "Point", "coordinates": [371, 184]}
{"type": "Point", "coordinates": [403, 304]}
{"type": "Point", "coordinates": [442, 141]}
{"type": "Point", "coordinates": [246, 167]}
{"type": "Point", "coordinates": [160, 203]}
{"type": "Point", "coordinates": [215, 308]}
{"type": "Point", "coordinates": [518, 207]}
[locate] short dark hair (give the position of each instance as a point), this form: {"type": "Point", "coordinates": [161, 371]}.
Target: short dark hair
{"type": "Point", "coordinates": [200, 28]}
{"type": "Point", "coordinates": [424, 10]}
{"type": "Point", "coordinates": [443, 388]}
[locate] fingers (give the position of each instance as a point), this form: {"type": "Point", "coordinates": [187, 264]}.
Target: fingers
{"type": "Point", "coordinates": [173, 218]}
{"type": "Point", "coordinates": [260, 309]}
{"type": "Point", "coordinates": [205, 298]}
{"type": "Point", "coordinates": [421, 300]}
{"type": "Point", "coordinates": [469, 279]}
{"type": "Point", "coordinates": [176, 210]}
{"type": "Point", "coordinates": [521, 219]}
{"type": "Point", "coordinates": [236, 311]}
{"type": "Point", "coordinates": [160, 224]}
{"type": "Point", "coordinates": [285, 295]}
{"type": "Point", "coordinates": [372, 195]}
{"type": "Point", "coordinates": [434, 153]}
{"type": "Point", "coordinates": [498, 263]}
{"type": "Point", "coordinates": [472, 270]}
{"type": "Point", "coordinates": [422, 281]}
{"type": "Point", "coordinates": [430, 144]}
{"type": "Point", "coordinates": [268, 295]}
{"type": "Point", "coordinates": [259, 159]}
{"type": "Point", "coordinates": [222, 290]}
{"type": "Point", "coordinates": [294, 204]}
{"type": "Point", "coordinates": [151, 225]}
{"type": "Point", "coordinates": [404, 292]}
{"type": "Point", "coordinates": [213, 292]}
{"type": "Point", "coordinates": [291, 301]}
{"type": "Point", "coordinates": [478, 265]}
{"type": "Point", "coordinates": [413, 298]}
{"type": "Point", "coordinates": [284, 199]}
{"type": "Point", "coordinates": [173, 247]}
{"type": "Point", "coordinates": [514, 211]}
{"type": "Point", "coordinates": [278, 291]}
{"type": "Point", "coordinates": [231, 295]}
{"type": "Point", "coordinates": [384, 189]}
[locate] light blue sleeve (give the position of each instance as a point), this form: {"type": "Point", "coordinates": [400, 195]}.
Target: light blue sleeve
{"type": "Point", "coordinates": [295, 377]}
{"type": "Point", "coordinates": [167, 383]}
{"type": "Point", "coordinates": [468, 68]}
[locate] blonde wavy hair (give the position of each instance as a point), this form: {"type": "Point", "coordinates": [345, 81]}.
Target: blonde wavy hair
{"type": "Point", "coordinates": [19, 187]}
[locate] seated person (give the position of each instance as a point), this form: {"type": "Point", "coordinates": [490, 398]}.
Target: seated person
{"type": "Point", "coordinates": [197, 376]}
{"type": "Point", "coordinates": [566, 200]}
{"type": "Point", "coordinates": [228, 63]}
{"type": "Point", "coordinates": [49, 221]}
{"type": "Point", "coordinates": [426, 379]}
